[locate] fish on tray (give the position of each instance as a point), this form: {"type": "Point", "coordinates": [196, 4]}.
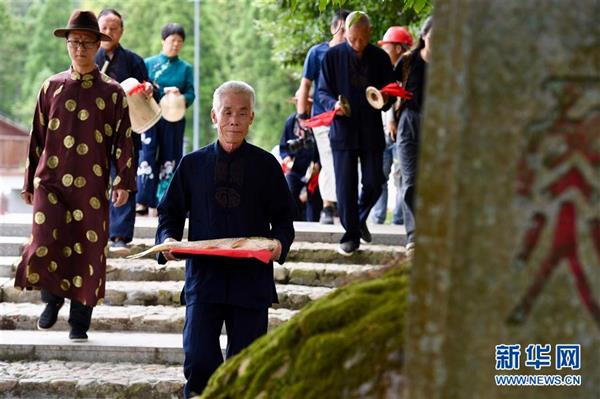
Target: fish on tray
{"type": "Point", "coordinates": [220, 247]}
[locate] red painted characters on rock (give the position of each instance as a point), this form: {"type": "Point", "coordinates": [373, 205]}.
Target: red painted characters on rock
{"type": "Point", "coordinates": [559, 178]}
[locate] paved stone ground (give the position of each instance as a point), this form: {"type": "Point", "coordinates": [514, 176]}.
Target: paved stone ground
{"type": "Point", "coordinates": [48, 379]}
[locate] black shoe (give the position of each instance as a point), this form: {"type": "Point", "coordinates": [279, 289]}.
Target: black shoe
{"type": "Point", "coordinates": [78, 335]}
{"type": "Point", "coordinates": [326, 215]}
{"type": "Point", "coordinates": [365, 234]}
{"type": "Point", "coordinates": [49, 315]}
{"type": "Point", "coordinates": [347, 248]}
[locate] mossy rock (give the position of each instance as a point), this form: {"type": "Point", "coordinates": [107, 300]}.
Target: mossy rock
{"type": "Point", "coordinates": [348, 344]}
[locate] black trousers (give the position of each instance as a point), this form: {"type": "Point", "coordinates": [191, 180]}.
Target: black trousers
{"type": "Point", "coordinates": [201, 332]}
{"type": "Point", "coordinates": [353, 208]}
{"type": "Point", "coordinates": [80, 315]}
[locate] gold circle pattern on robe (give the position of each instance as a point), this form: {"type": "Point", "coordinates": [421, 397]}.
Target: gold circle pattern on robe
{"type": "Point", "coordinates": [41, 251]}
{"type": "Point", "coordinates": [97, 169]}
{"type": "Point", "coordinates": [52, 198]}
{"type": "Point", "coordinates": [91, 236]}
{"type": "Point", "coordinates": [70, 105]}
{"type": "Point", "coordinates": [78, 215]}
{"type": "Point", "coordinates": [100, 103]}
{"type": "Point", "coordinates": [80, 182]}
{"type": "Point", "coordinates": [65, 284]}
{"type": "Point", "coordinates": [95, 203]}
{"type": "Point", "coordinates": [83, 114]}
{"type": "Point", "coordinates": [39, 217]}
{"type": "Point", "coordinates": [52, 161]}
{"type": "Point", "coordinates": [69, 141]}
{"type": "Point", "coordinates": [54, 124]}
{"type": "Point", "coordinates": [82, 149]}
{"type": "Point", "coordinates": [33, 278]}
{"type": "Point", "coordinates": [52, 266]}
{"type": "Point", "coordinates": [67, 180]}
{"type": "Point", "coordinates": [67, 251]}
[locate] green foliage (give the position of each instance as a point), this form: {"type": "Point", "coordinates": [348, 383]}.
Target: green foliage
{"type": "Point", "coordinates": [263, 42]}
{"type": "Point", "coordinates": [294, 26]}
{"type": "Point", "coordinates": [233, 49]}
{"type": "Point", "coordinates": [45, 54]}
{"type": "Point", "coordinates": [348, 344]}
{"type": "Point", "coordinates": [11, 72]}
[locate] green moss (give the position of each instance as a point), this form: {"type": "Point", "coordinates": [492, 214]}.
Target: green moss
{"type": "Point", "coordinates": [344, 345]}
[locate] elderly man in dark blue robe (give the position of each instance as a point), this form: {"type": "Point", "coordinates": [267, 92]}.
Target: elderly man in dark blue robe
{"type": "Point", "coordinates": [120, 63]}
{"type": "Point", "coordinates": [347, 70]}
{"type": "Point", "coordinates": [229, 188]}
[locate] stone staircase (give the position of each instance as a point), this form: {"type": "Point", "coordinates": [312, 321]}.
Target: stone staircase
{"type": "Point", "coordinates": [135, 345]}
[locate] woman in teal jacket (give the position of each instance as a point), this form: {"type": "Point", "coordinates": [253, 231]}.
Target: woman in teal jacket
{"type": "Point", "coordinates": [162, 145]}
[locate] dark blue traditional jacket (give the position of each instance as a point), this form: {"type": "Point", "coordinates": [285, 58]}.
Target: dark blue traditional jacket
{"type": "Point", "coordinates": [344, 73]}
{"type": "Point", "coordinates": [241, 194]}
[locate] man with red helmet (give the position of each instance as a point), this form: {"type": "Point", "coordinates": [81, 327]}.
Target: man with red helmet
{"type": "Point", "coordinates": [396, 41]}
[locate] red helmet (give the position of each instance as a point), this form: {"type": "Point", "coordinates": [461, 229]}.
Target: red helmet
{"type": "Point", "coordinates": [397, 34]}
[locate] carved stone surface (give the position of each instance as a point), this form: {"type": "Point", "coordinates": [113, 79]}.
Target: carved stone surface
{"type": "Point", "coordinates": [508, 244]}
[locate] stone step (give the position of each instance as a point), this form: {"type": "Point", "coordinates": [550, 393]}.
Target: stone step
{"type": "Point", "coordinates": [301, 251]}
{"type": "Point", "coordinates": [302, 273]}
{"type": "Point", "coordinates": [8, 265]}
{"type": "Point", "coordinates": [145, 227]}
{"type": "Point", "coordinates": [135, 347]}
{"type": "Point", "coordinates": [11, 245]}
{"type": "Point", "coordinates": [161, 319]}
{"type": "Point", "coordinates": [313, 274]}
{"type": "Point", "coordinates": [318, 252]}
{"type": "Point", "coordinates": [58, 379]}
{"type": "Point", "coordinates": [149, 293]}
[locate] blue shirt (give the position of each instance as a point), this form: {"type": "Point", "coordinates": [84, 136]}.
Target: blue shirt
{"type": "Point", "coordinates": [343, 73]}
{"type": "Point", "coordinates": [172, 72]}
{"type": "Point", "coordinates": [224, 195]}
{"type": "Point", "coordinates": [312, 68]}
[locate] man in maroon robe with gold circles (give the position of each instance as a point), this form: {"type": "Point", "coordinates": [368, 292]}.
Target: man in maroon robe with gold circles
{"type": "Point", "coordinates": [80, 126]}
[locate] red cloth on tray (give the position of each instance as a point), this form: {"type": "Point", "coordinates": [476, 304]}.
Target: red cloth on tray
{"type": "Point", "coordinates": [263, 255]}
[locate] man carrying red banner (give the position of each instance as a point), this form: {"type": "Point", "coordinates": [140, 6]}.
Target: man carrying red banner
{"type": "Point", "coordinates": [229, 188]}
{"type": "Point", "coordinates": [347, 70]}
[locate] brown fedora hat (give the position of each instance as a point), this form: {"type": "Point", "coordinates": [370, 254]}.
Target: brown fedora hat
{"type": "Point", "coordinates": [82, 20]}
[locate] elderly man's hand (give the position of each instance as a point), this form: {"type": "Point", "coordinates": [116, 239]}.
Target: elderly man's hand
{"type": "Point", "coordinates": [276, 251]}
{"type": "Point", "coordinates": [119, 197]}
{"type": "Point", "coordinates": [338, 109]}
{"type": "Point", "coordinates": [167, 254]}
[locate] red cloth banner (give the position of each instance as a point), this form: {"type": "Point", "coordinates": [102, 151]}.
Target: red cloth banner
{"type": "Point", "coordinates": [394, 89]}
{"type": "Point", "coordinates": [324, 119]}
{"type": "Point", "coordinates": [136, 89]}
{"type": "Point", "coordinates": [263, 255]}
